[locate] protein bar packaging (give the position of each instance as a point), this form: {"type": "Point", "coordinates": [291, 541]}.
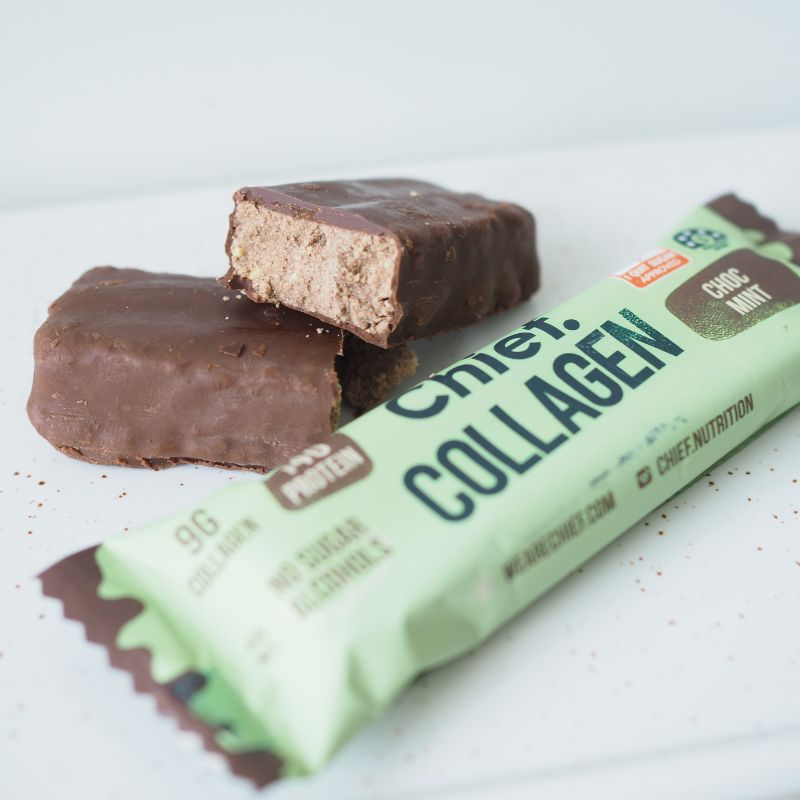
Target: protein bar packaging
{"type": "Point", "coordinates": [279, 616]}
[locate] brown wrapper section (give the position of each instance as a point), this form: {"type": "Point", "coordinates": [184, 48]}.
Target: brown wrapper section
{"type": "Point", "coordinates": [75, 582]}
{"type": "Point", "coordinates": [769, 289]}
{"type": "Point", "coordinates": [747, 216]}
{"type": "Point", "coordinates": [319, 471]}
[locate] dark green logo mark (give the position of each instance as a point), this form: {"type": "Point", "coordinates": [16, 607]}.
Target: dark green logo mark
{"type": "Point", "coordinates": [701, 238]}
{"type": "Point", "coordinates": [643, 477]}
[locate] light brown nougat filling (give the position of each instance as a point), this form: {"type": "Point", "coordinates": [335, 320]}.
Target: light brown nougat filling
{"type": "Point", "coordinates": [337, 273]}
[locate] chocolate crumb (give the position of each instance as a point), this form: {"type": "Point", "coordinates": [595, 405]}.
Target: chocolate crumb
{"type": "Point", "coordinates": [234, 350]}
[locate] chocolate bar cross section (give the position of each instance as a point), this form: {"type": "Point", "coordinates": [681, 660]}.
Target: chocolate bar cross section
{"type": "Point", "coordinates": [389, 260]}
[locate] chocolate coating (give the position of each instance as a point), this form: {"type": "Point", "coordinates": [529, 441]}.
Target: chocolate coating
{"type": "Point", "coordinates": [461, 257]}
{"type": "Point", "coordinates": [142, 369]}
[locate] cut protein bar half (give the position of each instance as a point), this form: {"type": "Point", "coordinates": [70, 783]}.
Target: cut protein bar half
{"type": "Point", "coordinates": [389, 260]}
{"type": "Point", "coordinates": [151, 370]}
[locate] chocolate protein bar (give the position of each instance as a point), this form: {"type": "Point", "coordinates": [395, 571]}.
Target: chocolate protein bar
{"type": "Point", "coordinates": [278, 616]}
{"type": "Point", "coordinates": [389, 260]}
{"type": "Point", "coordinates": [141, 369]}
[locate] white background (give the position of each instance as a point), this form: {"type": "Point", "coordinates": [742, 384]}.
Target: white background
{"type": "Point", "coordinates": [668, 667]}
{"type": "Point", "coordinates": [102, 98]}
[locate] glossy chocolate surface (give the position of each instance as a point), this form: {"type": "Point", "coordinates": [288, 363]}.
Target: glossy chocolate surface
{"type": "Point", "coordinates": [142, 369]}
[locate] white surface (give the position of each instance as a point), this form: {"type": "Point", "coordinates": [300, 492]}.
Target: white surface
{"type": "Point", "coordinates": [100, 98]}
{"type": "Point", "coordinates": [667, 667]}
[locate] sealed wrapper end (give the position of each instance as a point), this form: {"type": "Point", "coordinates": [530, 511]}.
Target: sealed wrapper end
{"type": "Point", "coordinates": [279, 616]}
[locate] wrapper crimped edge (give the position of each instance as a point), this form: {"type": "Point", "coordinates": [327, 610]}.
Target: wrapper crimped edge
{"type": "Point", "coordinates": [75, 581]}
{"type": "Point", "coordinates": [746, 216]}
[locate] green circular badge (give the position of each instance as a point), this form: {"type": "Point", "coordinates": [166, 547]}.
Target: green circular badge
{"type": "Point", "coordinates": [701, 239]}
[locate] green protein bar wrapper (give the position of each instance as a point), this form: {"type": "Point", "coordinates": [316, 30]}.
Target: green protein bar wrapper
{"type": "Point", "coordinates": [277, 617]}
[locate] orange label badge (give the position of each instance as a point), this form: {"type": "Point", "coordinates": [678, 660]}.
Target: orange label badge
{"type": "Point", "coordinates": [652, 267]}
